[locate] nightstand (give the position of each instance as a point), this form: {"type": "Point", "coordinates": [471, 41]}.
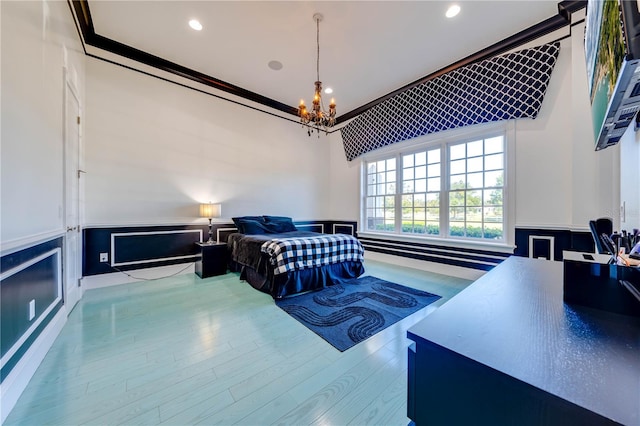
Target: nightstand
{"type": "Point", "coordinates": [213, 260]}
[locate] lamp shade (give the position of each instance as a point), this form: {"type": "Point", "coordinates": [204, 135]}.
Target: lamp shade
{"type": "Point", "coordinates": [210, 210]}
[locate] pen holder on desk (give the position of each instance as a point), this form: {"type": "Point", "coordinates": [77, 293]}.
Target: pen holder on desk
{"type": "Point", "coordinates": [602, 286]}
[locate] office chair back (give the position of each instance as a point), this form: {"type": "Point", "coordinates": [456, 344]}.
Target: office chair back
{"type": "Point", "coordinates": [603, 225]}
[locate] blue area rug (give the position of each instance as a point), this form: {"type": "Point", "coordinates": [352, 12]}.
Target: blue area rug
{"type": "Point", "coordinates": [348, 313]}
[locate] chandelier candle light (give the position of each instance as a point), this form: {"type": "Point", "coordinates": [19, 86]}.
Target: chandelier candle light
{"type": "Point", "coordinates": [318, 118]}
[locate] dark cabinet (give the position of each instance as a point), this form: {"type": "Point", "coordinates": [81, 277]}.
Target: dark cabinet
{"type": "Point", "coordinates": [213, 260]}
{"type": "Point", "coordinates": [508, 350]}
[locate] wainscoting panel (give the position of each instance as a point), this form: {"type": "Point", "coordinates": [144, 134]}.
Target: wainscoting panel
{"type": "Point", "coordinates": [549, 243]}
{"type": "Point", "coordinates": [140, 247]}
{"type": "Point", "coordinates": [133, 248]}
{"type": "Point", "coordinates": [224, 231]}
{"type": "Point", "coordinates": [541, 247]}
{"type": "Point", "coordinates": [329, 226]}
{"type": "Point", "coordinates": [312, 227]}
{"type": "Point", "coordinates": [30, 296]}
{"type": "Point", "coordinates": [344, 228]}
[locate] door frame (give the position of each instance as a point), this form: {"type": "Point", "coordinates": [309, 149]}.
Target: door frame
{"type": "Point", "coordinates": [72, 293]}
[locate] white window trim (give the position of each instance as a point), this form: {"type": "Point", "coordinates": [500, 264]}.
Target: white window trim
{"type": "Point", "coordinates": [507, 128]}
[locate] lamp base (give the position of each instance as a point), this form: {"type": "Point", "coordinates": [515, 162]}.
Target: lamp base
{"type": "Point", "coordinates": [210, 240]}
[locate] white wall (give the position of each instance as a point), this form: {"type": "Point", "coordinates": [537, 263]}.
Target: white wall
{"type": "Point", "coordinates": [630, 179]}
{"type": "Point", "coordinates": [596, 175]}
{"type": "Point", "coordinates": [561, 182]}
{"type": "Point", "coordinates": [155, 150]}
{"type": "Point", "coordinates": [344, 183]}
{"type": "Point", "coordinates": [34, 38]}
{"type": "Point", "coordinates": [39, 40]}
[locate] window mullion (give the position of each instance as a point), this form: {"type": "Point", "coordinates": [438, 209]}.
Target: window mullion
{"type": "Point", "coordinates": [398, 194]}
{"type": "Point", "coordinates": [364, 195]}
{"type": "Point", "coordinates": [444, 192]}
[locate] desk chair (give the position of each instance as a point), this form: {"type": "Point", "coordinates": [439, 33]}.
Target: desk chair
{"type": "Point", "coordinates": [603, 225]}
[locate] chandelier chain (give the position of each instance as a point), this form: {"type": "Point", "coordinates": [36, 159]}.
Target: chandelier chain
{"type": "Point", "coordinates": [318, 51]}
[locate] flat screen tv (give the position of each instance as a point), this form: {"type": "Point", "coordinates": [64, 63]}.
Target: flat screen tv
{"type": "Point", "coordinates": [612, 50]}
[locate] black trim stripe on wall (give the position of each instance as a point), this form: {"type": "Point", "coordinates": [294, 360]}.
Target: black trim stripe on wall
{"type": "Point", "coordinates": [88, 34]}
{"type": "Point", "coordinates": [464, 257]}
{"type": "Point", "coordinates": [150, 246]}
{"type": "Point", "coordinates": [31, 275]}
{"type": "Point", "coordinates": [530, 242]}
{"type": "Point", "coordinates": [137, 247]}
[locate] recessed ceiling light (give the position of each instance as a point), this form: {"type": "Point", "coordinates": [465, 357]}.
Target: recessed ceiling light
{"type": "Point", "coordinates": [453, 10]}
{"type": "Point", "coordinates": [328, 90]}
{"type": "Point", "coordinates": [195, 24]}
{"type": "Point", "coordinates": [275, 65]}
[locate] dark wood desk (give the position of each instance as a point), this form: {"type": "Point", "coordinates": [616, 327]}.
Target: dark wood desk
{"type": "Point", "coordinates": [508, 350]}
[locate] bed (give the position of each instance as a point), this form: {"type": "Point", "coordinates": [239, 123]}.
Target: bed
{"type": "Point", "coordinates": [272, 255]}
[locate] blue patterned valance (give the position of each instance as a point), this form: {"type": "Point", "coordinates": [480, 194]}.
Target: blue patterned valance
{"type": "Point", "coordinates": [500, 88]}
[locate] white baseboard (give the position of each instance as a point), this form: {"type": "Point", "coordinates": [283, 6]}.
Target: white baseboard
{"type": "Point", "coordinates": [423, 265]}
{"type": "Point", "coordinates": [118, 278]}
{"type": "Point", "coordinates": [17, 380]}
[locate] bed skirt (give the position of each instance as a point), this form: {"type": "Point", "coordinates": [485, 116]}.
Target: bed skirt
{"type": "Point", "coordinates": [293, 282]}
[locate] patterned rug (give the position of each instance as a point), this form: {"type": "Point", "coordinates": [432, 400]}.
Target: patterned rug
{"type": "Point", "coordinates": [348, 313]}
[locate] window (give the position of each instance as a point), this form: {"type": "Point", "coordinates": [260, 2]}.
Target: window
{"type": "Point", "coordinates": [421, 183]}
{"type": "Point", "coordinates": [381, 189]}
{"type": "Point", "coordinates": [476, 189]}
{"type": "Point", "coordinates": [447, 190]}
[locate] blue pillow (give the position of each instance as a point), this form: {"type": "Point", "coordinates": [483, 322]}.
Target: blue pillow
{"type": "Point", "coordinates": [279, 223]}
{"type": "Point", "coordinates": [254, 227]}
{"type": "Point", "coordinates": [239, 221]}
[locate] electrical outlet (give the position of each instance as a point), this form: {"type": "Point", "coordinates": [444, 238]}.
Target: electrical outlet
{"type": "Point", "coordinates": [32, 309]}
{"type": "Point", "coordinates": [104, 257]}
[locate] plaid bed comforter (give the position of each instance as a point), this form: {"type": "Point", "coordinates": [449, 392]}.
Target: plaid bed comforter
{"type": "Point", "coordinates": [292, 254]}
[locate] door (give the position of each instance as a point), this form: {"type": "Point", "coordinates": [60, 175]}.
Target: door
{"type": "Point", "coordinates": [72, 175]}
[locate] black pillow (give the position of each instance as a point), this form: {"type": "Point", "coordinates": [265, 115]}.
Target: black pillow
{"type": "Point", "coordinates": [239, 221]}
{"type": "Point", "coordinates": [280, 223]}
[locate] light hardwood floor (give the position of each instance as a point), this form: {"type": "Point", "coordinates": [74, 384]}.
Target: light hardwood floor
{"type": "Point", "coordinates": [185, 350]}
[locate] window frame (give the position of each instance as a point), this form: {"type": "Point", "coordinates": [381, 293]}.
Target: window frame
{"type": "Point", "coordinates": [401, 193]}
{"type": "Point", "coordinates": [444, 140]}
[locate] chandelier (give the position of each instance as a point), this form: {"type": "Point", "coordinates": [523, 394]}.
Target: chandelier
{"type": "Point", "coordinates": [318, 118]}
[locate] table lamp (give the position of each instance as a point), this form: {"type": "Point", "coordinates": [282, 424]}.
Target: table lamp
{"type": "Point", "coordinates": [210, 211]}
